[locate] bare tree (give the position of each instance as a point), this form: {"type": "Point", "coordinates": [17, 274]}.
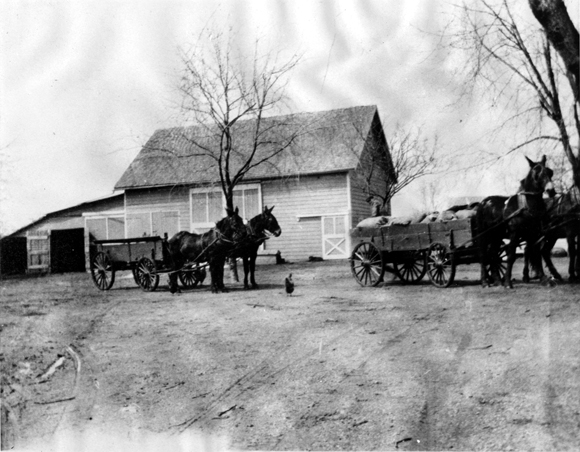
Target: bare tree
{"type": "Point", "coordinates": [228, 96]}
{"type": "Point", "coordinates": [387, 168]}
{"type": "Point", "coordinates": [513, 60]}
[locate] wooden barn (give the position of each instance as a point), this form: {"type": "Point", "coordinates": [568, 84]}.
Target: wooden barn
{"type": "Point", "coordinates": [317, 184]}
{"type": "Point", "coordinates": [58, 242]}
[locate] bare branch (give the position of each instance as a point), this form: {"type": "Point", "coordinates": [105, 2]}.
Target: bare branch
{"type": "Point", "coordinates": [228, 95]}
{"type": "Point", "coordinates": [504, 51]}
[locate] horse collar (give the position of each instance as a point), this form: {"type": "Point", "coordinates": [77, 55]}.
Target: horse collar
{"type": "Point", "coordinates": [523, 203]}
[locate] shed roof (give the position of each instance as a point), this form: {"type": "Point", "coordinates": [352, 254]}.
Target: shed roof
{"type": "Point", "coordinates": [319, 142]}
{"type": "Point", "coordinates": [73, 211]}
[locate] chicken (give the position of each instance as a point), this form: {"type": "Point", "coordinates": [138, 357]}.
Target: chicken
{"type": "Point", "coordinates": [289, 284]}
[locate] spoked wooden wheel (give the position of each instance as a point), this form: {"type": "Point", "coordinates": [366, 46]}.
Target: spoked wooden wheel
{"type": "Point", "coordinates": [411, 271]}
{"type": "Point", "coordinates": [146, 274]}
{"type": "Point", "coordinates": [191, 278]}
{"type": "Point", "coordinates": [498, 267]}
{"type": "Point", "coordinates": [366, 264]}
{"type": "Point", "coordinates": [102, 271]}
{"type": "Point", "coordinates": [440, 266]}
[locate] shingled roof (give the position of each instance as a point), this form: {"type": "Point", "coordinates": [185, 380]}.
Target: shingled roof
{"type": "Point", "coordinates": [321, 142]}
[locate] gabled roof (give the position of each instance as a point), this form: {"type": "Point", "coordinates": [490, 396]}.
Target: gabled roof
{"type": "Point", "coordinates": [320, 142]}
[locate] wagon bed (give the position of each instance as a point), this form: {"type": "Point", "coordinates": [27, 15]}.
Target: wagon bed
{"type": "Point", "coordinates": [144, 256]}
{"type": "Point", "coordinates": [413, 251]}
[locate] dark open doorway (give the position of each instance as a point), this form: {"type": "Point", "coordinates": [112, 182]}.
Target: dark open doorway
{"type": "Point", "coordinates": [13, 256]}
{"type": "Point", "coordinates": [67, 250]}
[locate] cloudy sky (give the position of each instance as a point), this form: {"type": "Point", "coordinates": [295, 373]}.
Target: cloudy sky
{"type": "Point", "coordinates": [85, 83]}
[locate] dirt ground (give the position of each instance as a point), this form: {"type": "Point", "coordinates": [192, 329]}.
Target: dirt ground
{"type": "Point", "coordinates": [333, 367]}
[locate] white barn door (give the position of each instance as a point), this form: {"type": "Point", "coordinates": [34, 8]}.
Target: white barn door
{"type": "Point", "coordinates": [38, 246]}
{"type": "Point", "coordinates": [334, 237]}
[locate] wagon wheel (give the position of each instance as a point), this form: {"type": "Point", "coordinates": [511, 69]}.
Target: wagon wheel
{"type": "Point", "coordinates": [134, 271]}
{"type": "Point", "coordinates": [440, 265]}
{"type": "Point", "coordinates": [102, 271]}
{"type": "Point", "coordinates": [501, 263]}
{"type": "Point", "coordinates": [191, 278]}
{"type": "Point", "coordinates": [146, 274]}
{"type": "Point", "coordinates": [412, 271]}
{"type": "Point", "coordinates": [366, 264]}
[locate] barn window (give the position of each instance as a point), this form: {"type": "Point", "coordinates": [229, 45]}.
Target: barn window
{"type": "Point", "coordinates": [104, 228]}
{"type": "Point", "coordinates": [138, 224]}
{"type": "Point", "coordinates": [248, 201]}
{"type": "Point", "coordinates": [209, 205]}
{"type": "Point", "coordinates": [206, 207]}
{"type": "Point", "coordinates": [97, 228]}
{"type": "Point", "coordinates": [116, 227]}
{"type": "Point", "coordinates": [142, 224]}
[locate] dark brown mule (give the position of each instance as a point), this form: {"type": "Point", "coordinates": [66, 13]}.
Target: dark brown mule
{"type": "Point", "coordinates": [259, 229]}
{"type": "Point", "coordinates": [211, 247]}
{"type": "Point", "coordinates": [491, 230]}
{"type": "Point", "coordinates": [517, 218]}
{"type": "Point", "coordinates": [563, 221]}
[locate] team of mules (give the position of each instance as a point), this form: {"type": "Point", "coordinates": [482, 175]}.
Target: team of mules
{"type": "Point", "coordinates": [258, 231]}
{"type": "Point", "coordinates": [527, 217]}
{"type": "Point", "coordinates": [230, 238]}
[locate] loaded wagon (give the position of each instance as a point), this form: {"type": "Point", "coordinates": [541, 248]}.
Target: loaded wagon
{"type": "Point", "coordinates": [414, 250]}
{"type": "Point", "coordinates": [146, 257]}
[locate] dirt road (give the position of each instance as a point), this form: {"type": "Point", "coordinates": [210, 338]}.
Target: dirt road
{"type": "Point", "coordinates": [334, 367]}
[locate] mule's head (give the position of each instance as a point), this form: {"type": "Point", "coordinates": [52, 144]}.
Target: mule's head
{"type": "Point", "coordinates": [269, 222]}
{"type": "Point", "coordinates": [539, 178]}
{"type": "Point", "coordinates": [232, 226]}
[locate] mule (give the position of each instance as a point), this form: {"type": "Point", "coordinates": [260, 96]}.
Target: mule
{"type": "Point", "coordinates": [517, 218]}
{"type": "Point", "coordinates": [259, 229]}
{"type": "Point", "coordinates": [563, 221]}
{"type": "Point", "coordinates": [491, 230]}
{"type": "Point", "coordinates": [211, 247]}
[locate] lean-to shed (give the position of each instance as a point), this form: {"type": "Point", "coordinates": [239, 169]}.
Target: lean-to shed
{"type": "Point", "coordinates": [58, 242]}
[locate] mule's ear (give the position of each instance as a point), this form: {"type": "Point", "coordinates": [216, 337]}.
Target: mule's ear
{"type": "Point", "coordinates": [532, 164]}
{"type": "Point", "coordinates": [237, 210]}
{"type": "Point", "coordinates": [543, 160]}
{"type": "Point", "coordinates": [272, 208]}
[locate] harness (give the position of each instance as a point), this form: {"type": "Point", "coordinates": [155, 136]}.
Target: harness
{"type": "Point", "coordinates": [522, 203]}
{"type": "Point", "coordinates": [219, 237]}
{"type": "Point", "coordinates": [562, 216]}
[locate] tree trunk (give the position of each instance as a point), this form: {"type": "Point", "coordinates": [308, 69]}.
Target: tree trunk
{"type": "Point", "coordinates": [554, 18]}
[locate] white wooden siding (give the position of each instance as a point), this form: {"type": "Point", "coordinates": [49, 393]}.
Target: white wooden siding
{"type": "Point", "coordinates": [299, 205]}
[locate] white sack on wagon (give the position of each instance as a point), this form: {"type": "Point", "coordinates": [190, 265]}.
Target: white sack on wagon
{"type": "Point", "coordinates": [464, 214]}
{"type": "Point", "coordinates": [446, 215]}
{"type": "Point", "coordinates": [405, 220]}
{"type": "Point", "coordinates": [430, 217]}
{"type": "Point", "coordinates": [440, 217]}
{"type": "Point", "coordinates": [373, 222]}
